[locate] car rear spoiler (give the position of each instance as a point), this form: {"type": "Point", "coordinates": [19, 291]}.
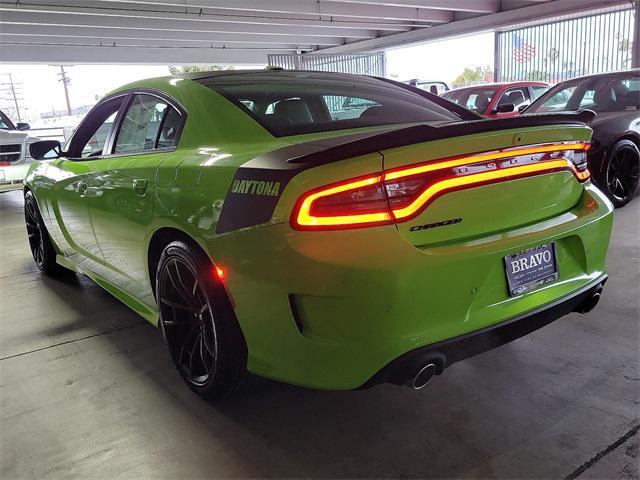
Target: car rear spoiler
{"type": "Point", "coordinates": [373, 142]}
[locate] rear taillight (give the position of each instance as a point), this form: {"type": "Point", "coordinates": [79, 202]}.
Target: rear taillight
{"type": "Point", "coordinates": [400, 194]}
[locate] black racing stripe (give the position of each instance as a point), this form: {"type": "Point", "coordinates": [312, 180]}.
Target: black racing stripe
{"type": "Point", "coordinates": [374, 142]}
{"type": "Point", "coordinates": [247, 204]}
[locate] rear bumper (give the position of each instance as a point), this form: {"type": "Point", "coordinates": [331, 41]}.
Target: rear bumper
{"type": "Point", "coordinates": [331, 309]}
{"type": "Point", "coordinates": [446, 353]}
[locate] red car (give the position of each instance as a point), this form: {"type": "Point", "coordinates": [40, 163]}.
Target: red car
{"type": "Point", "coordinates": [496, 100]}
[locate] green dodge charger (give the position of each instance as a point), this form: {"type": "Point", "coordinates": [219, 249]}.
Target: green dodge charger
{"type": "Point", "coordinates": [325, 230]}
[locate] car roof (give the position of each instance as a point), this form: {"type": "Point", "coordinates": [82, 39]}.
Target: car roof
{"type": "Point", "coordinates": [501, 84]}
{"type": "Point", "coordinates": [602, 75]}
{"type": "Point", "coordinates": [422, 80]}
{"type": "Point", "coordinates": [270, 74]}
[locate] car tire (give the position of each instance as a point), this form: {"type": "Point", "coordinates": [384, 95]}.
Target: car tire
{"type": "Point", "coordinates": [198, 323]}
{"type": "Point", "coordinates": [621, 173]}
{"type": "Point", "coordinates": [40, 244]}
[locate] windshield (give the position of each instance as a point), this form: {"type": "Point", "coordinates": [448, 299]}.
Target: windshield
{"type": "Point", "coordinates": [5, 123]}
{"type": "Point", "coordinates": [600, 94]}
{"type": "Point", "coordinates": [291, 103]}
{"type": "Point", "coordinates": [476, 99]}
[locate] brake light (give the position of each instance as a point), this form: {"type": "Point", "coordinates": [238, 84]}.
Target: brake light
{"type": "Point", "coordinates": [400, 194]}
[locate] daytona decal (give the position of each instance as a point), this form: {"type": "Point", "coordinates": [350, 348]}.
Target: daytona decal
{"type": "Point", "coordinates": [252, 197]}
{"type": "Point", "coordinates": [256, 187]}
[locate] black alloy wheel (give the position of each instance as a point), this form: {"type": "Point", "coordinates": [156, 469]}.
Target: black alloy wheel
{"type": "Point", "coordinates": [187, 320]}
{"type": "Point", "coordinates": [623, 173]}
{"type": "Point", "coordinates": [40, 243]}
{"type": "Point", "coordinates": [197, 322]}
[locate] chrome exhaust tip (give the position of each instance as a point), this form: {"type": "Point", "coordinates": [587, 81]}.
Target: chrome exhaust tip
{"type": "Point", "coordinates": [422, 376]}
{"type": "Point", "coordinates": [589, 304]}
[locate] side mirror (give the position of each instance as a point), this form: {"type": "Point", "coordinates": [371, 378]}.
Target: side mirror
{"type": "Point", "coordinates": [45, 150]}
{"type": "Point", "coordinates": [22, 126]}
{"type": "Point", "coordinates": [522, 108]}
{"type": "Point", "coordinates": [505, 108]}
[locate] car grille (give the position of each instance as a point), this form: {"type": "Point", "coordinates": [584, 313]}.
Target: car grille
{"type": "Point", "coordinates": [10, 153]}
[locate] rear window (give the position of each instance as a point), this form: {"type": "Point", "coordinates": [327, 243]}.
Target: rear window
{"type": "Point", "coordinates": [615, 93]}
{"type": "Point", "coordinates": [287, 103]}
{"type": "Point", "coordinates": [476, 99]}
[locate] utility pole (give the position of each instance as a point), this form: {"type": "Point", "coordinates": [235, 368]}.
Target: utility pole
{"type": "Point", "coordinates": [15, 99]}
{"type": "Point", "coordinates": [10, 91]}
{"type": "Point", "coordinates": [65, 83]}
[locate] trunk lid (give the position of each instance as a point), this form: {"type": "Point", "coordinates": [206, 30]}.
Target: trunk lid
{"type": "Point", "coordinates": [484, 208]}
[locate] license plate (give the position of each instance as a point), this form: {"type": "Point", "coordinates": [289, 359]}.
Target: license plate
{"type": "Point", "coordinates": [531, 269]}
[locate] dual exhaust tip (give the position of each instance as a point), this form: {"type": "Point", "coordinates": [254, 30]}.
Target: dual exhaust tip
{"type": "Point", "coordinates": [590, 302]}
{"type": "Point", "coordinates": [422, 376]}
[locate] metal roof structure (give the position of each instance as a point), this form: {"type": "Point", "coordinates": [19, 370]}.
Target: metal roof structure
{"type": "Point", "coordinates": [246, 31]}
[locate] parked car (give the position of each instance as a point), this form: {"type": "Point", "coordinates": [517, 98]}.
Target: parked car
{"type": "Point", "coordinates": [495, 100]}
{"type": "Point", "coordinates": [437, 87]}
{"type": "Point", "coordinates": [614, 158]}
{"type": "Point", "coordinates": [14, 152]}
{"type": "Point", "coordinates": [264, 233]}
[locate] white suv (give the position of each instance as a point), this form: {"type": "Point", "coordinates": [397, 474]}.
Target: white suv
{"type": "Point", "coordinates": [14, 150]}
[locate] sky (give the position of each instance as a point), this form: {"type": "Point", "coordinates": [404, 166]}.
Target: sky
{"type": "Point", "coordinates": [42, 91]}
{"type": "Point", "coordinates": [443, 60]}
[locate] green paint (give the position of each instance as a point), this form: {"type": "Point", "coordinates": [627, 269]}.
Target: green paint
{"type": "Point", "coordinates": [365, 295]}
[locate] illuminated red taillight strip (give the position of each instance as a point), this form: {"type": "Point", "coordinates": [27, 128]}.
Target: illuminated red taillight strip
{"type": "Point", "coordinates": [303, 216]}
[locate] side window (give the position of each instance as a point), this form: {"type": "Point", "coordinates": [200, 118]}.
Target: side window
{"type": "Point", "coordinates": [91, 135]}
{"type": "Point", "coordinates": [558, 101]}
{"type": "Point", "coordinates": [537, 90]}
{"type": "Point", "coordinates": [95, 145]}
{"type": "Point", "coordinates": [149, 123]}
{"type": "Point", "coordinates": [471, 101]}
{"type": "Point", "coordinates": [5, 123]}
{"type": "Point", "coordinates": [169, 129]}
{"type": "Point", "coordinates": [517, 96]}
{"type": "Point", "coordinates": [587, 99]}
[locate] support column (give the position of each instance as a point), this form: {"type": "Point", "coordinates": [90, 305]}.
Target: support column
{"type": "Point", "coordinates": [635, 58]}
{"type": "Point", "coordinates": [497, 66]}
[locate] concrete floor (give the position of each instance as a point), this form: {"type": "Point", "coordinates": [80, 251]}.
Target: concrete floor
{"type": "Point", "coordinates": [87, 390]}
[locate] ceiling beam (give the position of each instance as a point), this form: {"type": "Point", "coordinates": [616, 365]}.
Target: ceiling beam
{"type": "Point", "coordinates": [480, 6]}
{"type": "Point", "coordinates": [43, 17]}
{"type": "Point", "coordinates": [114, 34]}
{"type": "Point", "coordinates": [46, 41]}
{"type": "Point", "coordinates": [282, 7]}
{"type": "Point", "coordinates": [92, 7]}
{"type": "Point", "coordinates": [483, 23]}
{"type": "Point", "coordinates": [75, 55]}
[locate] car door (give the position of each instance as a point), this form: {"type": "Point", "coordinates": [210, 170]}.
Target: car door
{"type": "Point", "coordinates": [75, 178]}
{"type": "Point", "coordinates": [122, 212]}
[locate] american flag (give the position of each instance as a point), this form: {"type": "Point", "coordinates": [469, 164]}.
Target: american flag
{"type": "Point", "coordinates": [522, 51]}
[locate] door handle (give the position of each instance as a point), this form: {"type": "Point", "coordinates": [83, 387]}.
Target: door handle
{"type": "Point", "coordinates": [82, 188]}
{"type": "Point", "coordinates": [140, 185]}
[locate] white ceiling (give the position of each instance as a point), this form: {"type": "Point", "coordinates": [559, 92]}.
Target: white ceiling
{"type": "Point", "coordinates": [244, 31]}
